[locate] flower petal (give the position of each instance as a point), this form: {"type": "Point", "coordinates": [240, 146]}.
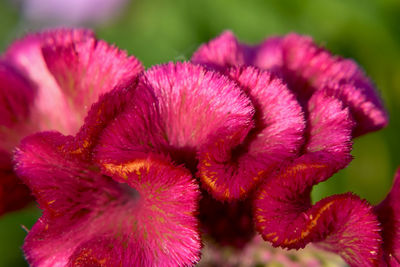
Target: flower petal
{"type": "Point", "coordinates": [221, 52]}
{"type": "Point", "coordinates": [175, 109]}
{"type": "Point", "coordinates": [85, 70]}
{"type": "Point", "coordinates": [16, 98]}
{"type": "Point", "coordinates": [72, 68]}
{"type": "Point", "coordinates": [229, 170]}
{"type": "Point", "coordinates": [314, 67]}
{"type": "Point", "coordinates": [343, 224]}
{"type": "Point", "coordinates": [388, 215]}
{"type": "Point", "coordinates": [306, 68]}
{"type": "Point", "coordinates": [13, 193]}
{"type": "Point", "coordinates": [146, 217]}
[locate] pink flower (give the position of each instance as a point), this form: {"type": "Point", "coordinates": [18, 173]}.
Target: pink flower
{"type": "Point", "coordinates": [121, 190]}
{"type": "Point", "coordinates": [110, 194]}
{"type": "Point", "coordinates": [48, 81]}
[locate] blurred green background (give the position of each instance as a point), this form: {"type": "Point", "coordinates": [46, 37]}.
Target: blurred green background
{"type": "Point", "coordinates": [157, 31]}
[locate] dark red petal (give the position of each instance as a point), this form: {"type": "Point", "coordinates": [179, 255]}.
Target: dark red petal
{"type": "Point", "coordinates": [14, 194]}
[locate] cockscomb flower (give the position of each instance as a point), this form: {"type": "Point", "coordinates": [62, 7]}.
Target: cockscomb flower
{"type": "Point", "coordinates": [48, 81]}
{"type": "Point", "coordinates": [110, 195]}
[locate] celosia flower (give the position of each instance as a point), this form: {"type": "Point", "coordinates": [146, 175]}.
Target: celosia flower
{"type": "Point", "coordinates": [48, 81]}
{"type": "Point", "coordinates": [338, 102]}
{"type": "Point", "coordinates": [113, 194]}
{"type": "Point", "coordinates": [91, 218]}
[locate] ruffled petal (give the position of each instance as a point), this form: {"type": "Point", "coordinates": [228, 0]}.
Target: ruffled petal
{"type": "Point", "coordinates": [230, 170]}
{"type": "Point", "coordinates": [309, 68]}
{"type": "Point", "coordinates": [223, 51]}
{"type": "Point", "coordinates": [85, 70]}
{"type": "Point", "coordinates": [343, 224]}
{"type": "Point", "coordinates": [283, 211]}
{"type": "Point", "coordinates": [306, 68]}
{"type": "Point", "coordinates": [72, 68]}
{"type": "Point", "coordinates": [137, 127]}
{"type": "Point", "coordinates": [388, 215]}
{"type": "Point", "coordinates": [175, 109]}
{"type": "Point", "coordinates": [145, 217]}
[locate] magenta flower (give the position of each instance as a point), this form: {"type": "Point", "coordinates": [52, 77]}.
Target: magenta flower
{"type": "Point", "coordinates": [129, 183]}
{"type": "Point", "coordinates": [48, 81]}
{"type": "Point", "coordinates": [122, 189]}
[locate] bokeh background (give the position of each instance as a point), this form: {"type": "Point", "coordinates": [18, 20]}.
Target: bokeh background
{"type": "Point", "coordinates": [157, 31]}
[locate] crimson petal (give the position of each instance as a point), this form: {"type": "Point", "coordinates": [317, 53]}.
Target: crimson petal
{"type": "Point", "coordinates": [145, 217]}
{"type": "Point", "coordinates": [230, 170]}
{"type": "Point", "coordinates": [306, 67]}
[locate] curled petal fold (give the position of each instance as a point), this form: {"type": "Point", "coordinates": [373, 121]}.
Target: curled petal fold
{"type": "Point", "coordinates": [229, 169]}
{"type": "Point", "coordinates": [343, 224]}
{"type": "Point", "coordinates": [388, 212]}
{"type": "Point", "coordinates": [144, 211]}
{"type": "Point", "coordinates": [174, 110]}
{"type": "Point", "coordinates": [306, 68]}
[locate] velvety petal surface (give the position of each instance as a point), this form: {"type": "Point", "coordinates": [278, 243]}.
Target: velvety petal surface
{"type": "Point", "coordinates": [145, 216]}
{"type": "Point", "coordinates": [343, 224]}
{"type": "Point", "coordinates": [306, 67]}
{"type": "Point", "coordinates": [229, 170]}
{"type": "Point", "coordinates": [72, 68]}
{"type": "Point", "coordinates": [175, 109]}
{"type": "Point", "coordinates": [223, 51]}
{"type": "Point", "coordinates": [388, 215]}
